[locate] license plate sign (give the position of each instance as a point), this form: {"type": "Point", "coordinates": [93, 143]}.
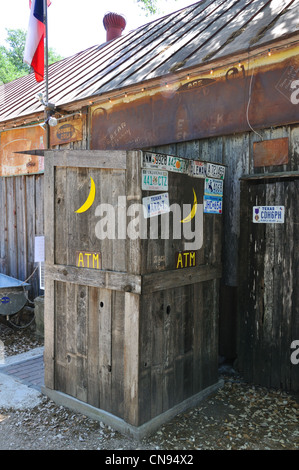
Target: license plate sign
{"type": "Point", "coordinates": [177, 165]}
{"type": "Point", "coordinates": [268, 214]}
{"type": "Point", "coordinates": [198, 169]}
{"type": "Point", "coordinates": [154, 180]}
{"type": "Point", "coordinates": [213, 187]}
{"type": "Point", "coordinates": [212, 205]}
{"type": "Point", "coordinates": [154, 160]}
{"type": "Point", "coordinates": [155, 205]}
{"type": "Point", "coordinates": [215, 171]}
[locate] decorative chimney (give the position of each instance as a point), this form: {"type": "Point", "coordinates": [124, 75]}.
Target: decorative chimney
{"type": "Point", "coordinates": [114, 25]}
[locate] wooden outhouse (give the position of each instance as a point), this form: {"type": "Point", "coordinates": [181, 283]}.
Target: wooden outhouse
{"type": "Point", "coordinates": [132, 285]}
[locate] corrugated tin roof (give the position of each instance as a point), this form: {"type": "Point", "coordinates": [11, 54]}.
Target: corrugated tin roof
{"type": "Point", "coordinates": [198, 34]}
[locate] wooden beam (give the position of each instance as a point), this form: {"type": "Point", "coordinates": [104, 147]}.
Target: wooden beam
{"type": "Point", "coordinates": [179, 277]}
{"type": "Point", "coordinates": [95, 278]}
{"type": "Point", "coordinates": [268, 176]}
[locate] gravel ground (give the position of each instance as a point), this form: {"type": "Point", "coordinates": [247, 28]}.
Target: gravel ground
{"type": "Point", "coordinates": [239, 416]}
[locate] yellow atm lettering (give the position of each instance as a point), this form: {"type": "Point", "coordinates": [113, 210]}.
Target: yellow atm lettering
{"type": "Point", "coordinates": [89, 260]}
{"type": "Point", "coordinates": [185, 259]}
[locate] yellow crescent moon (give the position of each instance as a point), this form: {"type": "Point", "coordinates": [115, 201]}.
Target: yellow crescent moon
{"type": "Point", "coordinates": [193, 211]}
{"type": "Point", "coordinates": [89, 201]}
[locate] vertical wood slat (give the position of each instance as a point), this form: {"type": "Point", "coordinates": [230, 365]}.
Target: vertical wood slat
{"type": "Point", "coordinates": [131, 358]}
{"type": "Point", "coordinates": [294, 326]}
{"type": "Point", "coordinates": [4, 230]}
{"type": "Point", "coordinates": [117, 353]}
{"type": "Point", "coordinates": [49, 305]}
{"type": "Point", "coordinates": [105, 359]}
{"type": "Point", "coordinates": [12, 259]}
{"type": "Point", "coordinates": [93, 368]}
{"type": "Point", "coordinates": [21, 225]}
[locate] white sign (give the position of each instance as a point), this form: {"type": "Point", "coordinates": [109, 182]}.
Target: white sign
{"type": "Point", "coordinates": [154, 180]}
{"type": "Point", "coordinates": [213, 187]}
{"type": "Point", "coordinates": [198, 169]}
{"type": "Point", "coordinates": [268, 214]}
{"type": "Point", "coordinates": [39, 249]}
{"type": "Point", "coordinates": [212, 205]}
{"type": "Point", "coordinates": [215, 171]}
{"type": "Point", "coordinates": [155, 205]}
{"type": "Point", "coordinates": [154, 160]}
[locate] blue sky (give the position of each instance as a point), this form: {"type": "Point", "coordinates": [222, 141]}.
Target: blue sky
{"type": "Point", "coordinates": [75, 25]}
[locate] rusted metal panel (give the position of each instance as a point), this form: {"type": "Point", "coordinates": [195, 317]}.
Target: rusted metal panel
{"type": "Point", "coordinates": [271, 152]}
{"type": "Point", "coordinates": [16, 140]}
{"type": "Point", "coordinates": [199, 108]}
{"type": "Point", "coordinates": [67, 131]}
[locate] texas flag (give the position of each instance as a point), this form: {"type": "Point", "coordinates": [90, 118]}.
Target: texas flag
{"type": "Point", "coordinates": [34, 47]}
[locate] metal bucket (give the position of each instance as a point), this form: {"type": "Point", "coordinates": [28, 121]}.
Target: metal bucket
{"type": "Point", "coordinates": [13, 295]}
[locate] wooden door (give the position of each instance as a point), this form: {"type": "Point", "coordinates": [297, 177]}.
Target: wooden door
{"type": "Point", "coordinates": [268, 306]}
{"type": "Point", "coordinates": [83, 323]}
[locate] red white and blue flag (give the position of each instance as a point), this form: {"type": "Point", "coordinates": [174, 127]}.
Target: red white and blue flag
{"type": "Point", "coordinates": [34, 54]}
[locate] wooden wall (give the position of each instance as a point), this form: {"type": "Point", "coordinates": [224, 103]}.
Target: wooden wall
{"type": "Point", "coordinates": [22, 218]}
{"type": "Point", "coordinates": [268, 309]}
{"type": "Point", "coordinates": [237, 153]}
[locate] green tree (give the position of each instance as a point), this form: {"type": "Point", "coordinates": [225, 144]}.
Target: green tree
{"type": "Point", "coordinates": [7, 70]}
{"type": "Point", "coordinates": [12, 65]}
{"type": "Point", "coordinates": [149, 6]}
{"type": "Point", "coordinates": [16, 39]}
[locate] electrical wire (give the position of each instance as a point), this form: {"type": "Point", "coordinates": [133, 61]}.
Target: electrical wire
{"type": "Point", "coordinates": [248, 105]}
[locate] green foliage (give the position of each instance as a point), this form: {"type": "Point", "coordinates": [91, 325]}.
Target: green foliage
{"type": "Point", "coordinates": [12, 65]}
{"type": "Point", "coordinates": [7, 70]}
{"type": "Point", "coordinates": [16, 39]}
{"type": "Point", "coordinates": [149, 6]}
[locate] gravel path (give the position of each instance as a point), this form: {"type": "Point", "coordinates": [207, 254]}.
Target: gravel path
{"type": "Point", "coordinates": [239, 416]}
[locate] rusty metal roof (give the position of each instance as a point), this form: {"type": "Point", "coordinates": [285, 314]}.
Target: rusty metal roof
{"type": "Point", "coordinates": [201, 33]}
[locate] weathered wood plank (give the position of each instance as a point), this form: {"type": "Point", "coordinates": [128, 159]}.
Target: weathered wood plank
{"type": "Point", "coordinates": [4, 230]}
{"type": "Point", "coordinates": [176, 278]}
{"type": "Point", "coordinates": [88, 158]}
{"type": "Point", "coordinates": [49, 203]}
{"type": "Point", "coordinates": [105, 351]}
{"type": "Point", "coordinates": [21, 252]}
{"type": "Point", "coordinates": [117, 351]}
{"type": "Point", "coordinates": [131, 358]}
{"type": "Point", "coordinates": [133, 194]}
{"type": "Point", "coordinates": [12, 260]}
{"type": "Point", "coordinates": [49, 340]}
{"type": "Point", "coordinates": [93, 372]}
{"type": "Point", "coordinates": [96, 278]}
{"type": "Point", "coordinates": [274, 176]}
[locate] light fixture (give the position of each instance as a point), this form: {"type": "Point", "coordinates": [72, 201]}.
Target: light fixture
{"type": "Point", "coordinates": [269, 52]}
{"type": "Point", "coordinates": [52, 121]}
{"type": "Point", "coordinates": [211, 71]}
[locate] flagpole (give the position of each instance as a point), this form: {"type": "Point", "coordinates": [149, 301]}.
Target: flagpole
{"type": "Point", "coordinates": [46, 64]}
{"type": "Point", "coordinates": [46, 47]}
